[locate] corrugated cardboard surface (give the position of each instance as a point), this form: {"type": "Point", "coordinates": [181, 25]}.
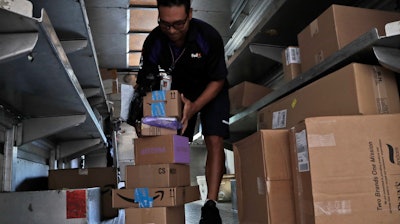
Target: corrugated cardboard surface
{"type": "Point", "coordinates": [347, 169]}
{"type": "Point", "coordinates": [244, 94]}
{"type": "Point", "coordinates": [291, 62]}
{"type": "Point", "coordinates": [162, 197]}
{"type": "Point", "coordinates": [148, 130]}
{"type": "Point", "coordinates": [162, 149]}
{"type": "Point", "coordinates": [157, 175]}
{"type": "Point", "coordinates": [263, 178]}
{"type": "Point", "coordinates": [104, 177]}
{"type": "Point", "coordinates": [172, 104]}
{"type": "Point", "coordinates": [335, 28]}
{"type": "Point", "coordinates": [354, 89]}
{"type": "Point", "coordinates": [165, 215]}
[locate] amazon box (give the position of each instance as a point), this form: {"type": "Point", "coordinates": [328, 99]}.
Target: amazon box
{"type": "Point", "coordinates": [336, 27]}
{"type": "Point", "coordinates": [263, 173]}
{"type": "Point", "coordinates": [354, 89]}
{"type": "Point", "coordinates": [157, 175]}
{"type": "Point", "coordinates": [162, 197]}
{"type": "Point", "coordinates": [346, 169]}
{"type": "Point", "coordinates": [245, 94]}
{"type": "Point", "coordinates": [162, 149]}
{"type": "Point", "coordinates": [162, 103]}
{"type": "Point", "coordinates": [164, 215]}
{"type": "Point", "coordinates": [103, 177]}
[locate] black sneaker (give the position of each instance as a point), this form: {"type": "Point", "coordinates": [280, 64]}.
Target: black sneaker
{"type": "Point", "coordinates": [210, 213]}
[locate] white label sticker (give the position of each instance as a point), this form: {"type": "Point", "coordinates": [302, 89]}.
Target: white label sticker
{"type": "Point", "coordinates": [279, 119]}
{"type": "Point", "coordinates": [302, 152]}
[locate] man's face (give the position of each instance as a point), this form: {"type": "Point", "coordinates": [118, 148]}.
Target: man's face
{"type": "Point", "coordinates": [174, 22]}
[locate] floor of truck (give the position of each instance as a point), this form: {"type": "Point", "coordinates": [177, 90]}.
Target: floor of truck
{"type": "Point", "coordinates": [192, 214]}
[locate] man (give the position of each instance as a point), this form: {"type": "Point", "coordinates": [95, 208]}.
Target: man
{"type": "Point", "coordinates": [192, 52]}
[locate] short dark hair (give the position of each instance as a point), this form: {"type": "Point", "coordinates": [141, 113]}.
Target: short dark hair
{"type": "Point", "coordinates": [170, 3]}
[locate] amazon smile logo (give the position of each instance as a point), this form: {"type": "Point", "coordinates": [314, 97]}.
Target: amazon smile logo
{"type": "Point", "coordinates": [394, 154]}
{"type": "Point", "coordinates": [158, 195]}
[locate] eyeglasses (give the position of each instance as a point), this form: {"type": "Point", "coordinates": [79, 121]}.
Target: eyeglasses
{"type": "Point", "coordinates": [178, 25]}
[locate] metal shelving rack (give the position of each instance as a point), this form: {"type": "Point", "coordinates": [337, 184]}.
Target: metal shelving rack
{"type": "Point", "coordinates": [369, 48]}
{"type": "Point", "coordinates": [50, 89]}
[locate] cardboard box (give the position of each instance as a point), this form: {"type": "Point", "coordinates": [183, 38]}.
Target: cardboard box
{"type": "Point", "coordinates": [149, 130]}
{"type": "Point", "coordinates": [291, 63]}
{"type": "Point", "coordinates": [354, 89]}
{"type": "Point", "coordinates": [159, 215]}
{"type": "Point", "coordinates": [263, 178]}
{"type": "Point", "coordinates": [162, 104]}
{"type": "Point", "coordinates": [162, 197]}
{"type": "Point", "coordinates": [347, 169]}
{"type": "Point", "coordinates": [157, 175]}
{"type": "Point", "coordinates": [162, 149]}
{"type": "Point", "coordinates": [245, 94]}
{"type": "Point", "coordinates": [336, 27]}
{"type": "Point", "coordinates": [225, 191]}
{"type": "Point", "coordinates": [103, 177]}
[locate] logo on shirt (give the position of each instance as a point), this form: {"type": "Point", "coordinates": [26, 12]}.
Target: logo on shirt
{"type": "Point", "coordinates": [195, 55]}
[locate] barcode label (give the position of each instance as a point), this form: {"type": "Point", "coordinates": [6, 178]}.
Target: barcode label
{"type": "Point", "coordinates": [302, 151]}
{"type": "Point", "coordinates": [292, 55]}
{"type": "Point", "coordinates": [279, 119]}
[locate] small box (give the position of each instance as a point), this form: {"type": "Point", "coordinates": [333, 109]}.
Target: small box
{"type": "Point", "coordinates": [162, 149]}
{"type": "Point", "coordinates": [164, 215]}
{"type": "Point", "coordinates": [264, 178]}
{"type": "Point", "coordinates": [104, 177]}
{"type": "Point", "coordinates": [225, 191]}
{"type": "Point", "coordinates": [291, 63]}
{"type": "Point", "coordinates": [346, 169]}
{"type": "Point", "coordinates": [162, 103]}
{"type": "Point", "coordinates": [149, 130]}
{"type": "Point", "coordinates": [162, 197]}
{"type": "Point", "coordinates": [336, 27]}
{"type": "Point", "coordinates": [157, 175]}
{"type": "Point", "coordinates": [353, 89]}
{"type": "Point", "coordinates": [245, 94]}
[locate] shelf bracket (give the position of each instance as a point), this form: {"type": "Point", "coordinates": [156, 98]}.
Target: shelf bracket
{"type": "Point", "coordinates": [388, 57]}
{"type": "Point", "coordinates": [270, 51]}
{"type": "Point", "coordinates": [13, 45]}
{"type": "Point", "coordinates": [71, 46]}
{"type": "Point", "coordinates": [79, 147]}
{"type": "Point", "coordinates": [36, 128]}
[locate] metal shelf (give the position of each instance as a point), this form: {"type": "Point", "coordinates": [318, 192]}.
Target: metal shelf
{"type": "Point", "coordinates": [39, 85]}
{"type": "Point", "coordinates": [71, 24]}
{"type": "Point", "coordinates": [369, 48]}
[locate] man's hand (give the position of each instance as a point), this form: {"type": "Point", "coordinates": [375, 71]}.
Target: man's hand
{"type": "Point", "coordinates": [189, 110]}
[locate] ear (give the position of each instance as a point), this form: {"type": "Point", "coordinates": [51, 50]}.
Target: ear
{"type": "Point", "coordinates": [190, 13]}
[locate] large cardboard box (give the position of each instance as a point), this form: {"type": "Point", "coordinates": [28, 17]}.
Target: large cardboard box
{"type": "Point", "coordinates": [263, 178]}
{"type": "Point", "coordinates": [157, 175]}
{"type": "Point", "coordinates": [347, 169]}
{"type": "Point", "coordinates": [162, 103]}
{"type": "Point", "coordinates": [336, 27]}
{"type": "Point", "coordinates": [158, 215]}
{"type": "Point", "coordinates": [162, 149]}
{"type": "Point", "coordinates": [103, 177]}
{"type": "Point", "coordinates": [245, 94]}
{"type": "Point", "coordinates": [354, 89]}
{"type": "Point", "coordinates": [162, 197]}
{"type": "Point", "coordinates": [291, 63]}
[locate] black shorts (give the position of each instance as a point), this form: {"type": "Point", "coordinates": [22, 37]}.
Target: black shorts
{"type": "Point", "coordinates": [214, 117]}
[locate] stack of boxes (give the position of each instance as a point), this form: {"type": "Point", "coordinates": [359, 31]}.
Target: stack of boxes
{"type": "Point", "coordinates": [330, 151]}
{"type": "Point", "coordinates": [158, 185]}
